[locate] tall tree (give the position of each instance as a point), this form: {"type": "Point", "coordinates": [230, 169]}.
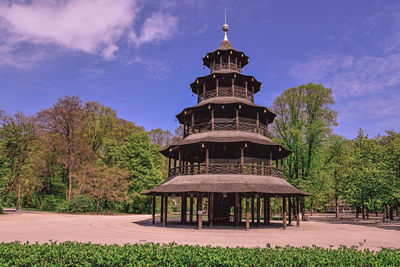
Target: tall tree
{"type": "Point", "coordinates": [303, 122]}
{"type": "Point", "coordinates": [65, 123]}
{"type": "Point", "coordinates": [100, 122]}
{"type": "Point", "coordinates": [17, 135]}
{"type": "Point", "coordinates": [160, 137]}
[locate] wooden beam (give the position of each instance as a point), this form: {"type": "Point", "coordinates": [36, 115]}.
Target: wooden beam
{"type": "Point", "coordinates": [247, 214]}
{"type": "Point", "coordinates": [191, 209]}
{"type": "Point", "coordinates": [268, 210]}
{"type": "Point", "coordinates": [284, 212]}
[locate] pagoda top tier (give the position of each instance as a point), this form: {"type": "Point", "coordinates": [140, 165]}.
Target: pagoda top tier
{"type": "Point", "coordinates": [225, 58]}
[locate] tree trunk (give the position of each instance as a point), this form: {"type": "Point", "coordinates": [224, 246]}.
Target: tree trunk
{"type": "Point", "coordinates": [69, 185]}
{"type": "Point", "coordinates": [98, 205]}
{"type": "Point", "coordinates": [391, 212]}
{"type": "Point", "coordinates": [19, 195]}
{"type": "Point", "coordinates": [357, 211]}
{"type": "Point", "coordinates": [336, 208]}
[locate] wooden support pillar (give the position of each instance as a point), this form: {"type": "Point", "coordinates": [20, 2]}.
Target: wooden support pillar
{"type": "Point", "coordinates": [217, 87]}
{"type": "Point", "coordinates": [237, 206]}
{"type": "Point", "coordinates": [252, 209]}
{"type": "Point", "coordinates": [247, 214]}
{"type": "Point", "coordinates": [169, 166]}
{"type": "Point", "coordinates": [183, 209]}
{"type": "Point", "coordinates": [229, 62]}
{"type": "Point", "coordinates": [211, 209]}
{"type": "Point", "coordinates": [245, 89]}
{"type": "Point", "coordinates": [191, 209]}
{"type": "Point", "coordinates": [199, 212]}
{"type": "Point", "coordinates": [204, 90]}
{"type": "Point", "coordinates": [282, 166]}
{"type": "Point", "coordinates": [258, 122]}
{"type": "Point", "coordinates": [297, 211]}
{"type": "Point", "coordinates": [252, 93]}
{"type": "Point", "coordinates": [270, 162]}
{"type": "Point", "coordinates": [242, 159]}
{"type": "Point", "coordinates": [290, 210]}
{"type": "Point", "coordinates": [207, 159]}
{"type": "Point", "coordinates": [165, 216]}
{"type": "Point", "coordinates": [212, 120]}
{"type": "Point", "coordinates": [284, 212]}
{"type": "Point", "coordinates": [162, 210]}
{"type": "Point", "coordinates": [233, 87]}
{"type": "Point", "coordinates": [193, 120]}
{"type": "Point", "coordinates": [240, 208]}
{"type": "Point", "coordinates": [180, 161]}
{"type": "Point", "coordinates": [237, 119]}
{"type": "Point", "coordinates": [258, 210]}
{"type": "Point", "coordinates": [268, 217]}
{"type": "Point", "coordinates": [153, 211]}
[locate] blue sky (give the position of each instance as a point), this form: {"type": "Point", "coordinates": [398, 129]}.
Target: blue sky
{"type": "Point", "coordinates": [139, 57]}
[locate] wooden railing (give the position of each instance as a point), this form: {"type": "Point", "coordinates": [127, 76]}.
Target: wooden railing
{"type": "Point", "coordinates": [237, 91]}
{"type": "Point", "coordinates": [226, 125]}
{"type": "Point", "coordinates": [233, 168]}
{"type": "Point", "coordinates": [225, 67]}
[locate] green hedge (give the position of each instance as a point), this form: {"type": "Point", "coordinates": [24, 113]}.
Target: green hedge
{"type": "Point", "coordinates": [86, 254]}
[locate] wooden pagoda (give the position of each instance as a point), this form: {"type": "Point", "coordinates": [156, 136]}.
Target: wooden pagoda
{"type": "Point", "coordinates": [225, 159]}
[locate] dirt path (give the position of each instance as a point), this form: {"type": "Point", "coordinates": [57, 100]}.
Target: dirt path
{"type": "Point", "coordinates": [320, 231]}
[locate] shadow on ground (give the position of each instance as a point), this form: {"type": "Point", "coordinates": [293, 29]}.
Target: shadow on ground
{"type": "Point", "coordinates": [350, 219]}
{"type": "Point", "coordinates": [175, 224]}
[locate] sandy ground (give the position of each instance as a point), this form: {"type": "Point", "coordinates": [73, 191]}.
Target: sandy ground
{"type": "Point", "coordinates": [320, 230]}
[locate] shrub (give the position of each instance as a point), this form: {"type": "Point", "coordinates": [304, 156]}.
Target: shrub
{"type": "Point", "coordinates": [63, 206]}
{"type": "Point", "coordinates": [50, 202]}
{"type": "Point", "coordinates": [81, 254]}
{"type": "Point", "coordinates": [81, 204]}
{"type": "Point", "coordinates": [1, 207]}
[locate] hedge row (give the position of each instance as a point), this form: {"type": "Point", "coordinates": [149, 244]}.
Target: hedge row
{"type": "Point", "coordinates": [86, 254]}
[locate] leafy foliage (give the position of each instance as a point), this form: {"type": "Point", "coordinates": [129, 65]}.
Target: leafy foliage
{"type": "Point", "coordinates": [80, 254]}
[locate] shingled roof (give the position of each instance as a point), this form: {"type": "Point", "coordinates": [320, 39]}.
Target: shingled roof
{"type": "Point", "coordinates": [227, 183]}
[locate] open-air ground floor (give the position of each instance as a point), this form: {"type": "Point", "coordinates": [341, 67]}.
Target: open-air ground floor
{"type": "Point", "coordinates": [320, 230]}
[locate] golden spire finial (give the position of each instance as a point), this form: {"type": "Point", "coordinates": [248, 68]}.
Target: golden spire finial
{"type": "Point", "coordinates": [225, 28]}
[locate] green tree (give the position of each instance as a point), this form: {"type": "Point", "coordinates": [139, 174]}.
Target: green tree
{"type": "Point", "coordinates": [141, 158]}
{"type": "Point", "coordinates": [64, 124]}
{"type": "Point", "coordinates": [17, 135]}
{"type": "Point", "coordinates": [304, 120]}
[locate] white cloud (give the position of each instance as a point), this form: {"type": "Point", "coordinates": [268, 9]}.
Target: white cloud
{"type": "Point", "coordinates": [348, 75]}
{"type": "Point", "coordinates": [91, 26]}
{"type": "Point", "coordinates": [157, 27]}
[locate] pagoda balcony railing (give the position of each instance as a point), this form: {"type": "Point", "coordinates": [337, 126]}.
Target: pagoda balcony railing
{"type": "Point", "coordinates": [225, 67]}
{"type": "Point", "coordinates": [226, 125]}
{"type": "Point", "coordinates": [237, 91]}
{"type": "Point", "coordinates": [232, 168]}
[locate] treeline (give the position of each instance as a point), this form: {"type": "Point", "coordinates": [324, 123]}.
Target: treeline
{"type": "Point", "coordinates": [363, 172]}
{"type": "Point", "coordinates": [78, 157]}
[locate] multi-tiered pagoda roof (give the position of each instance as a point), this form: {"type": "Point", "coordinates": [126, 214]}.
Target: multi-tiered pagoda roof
{"type": "Point", "coordinates": [226, 156]}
